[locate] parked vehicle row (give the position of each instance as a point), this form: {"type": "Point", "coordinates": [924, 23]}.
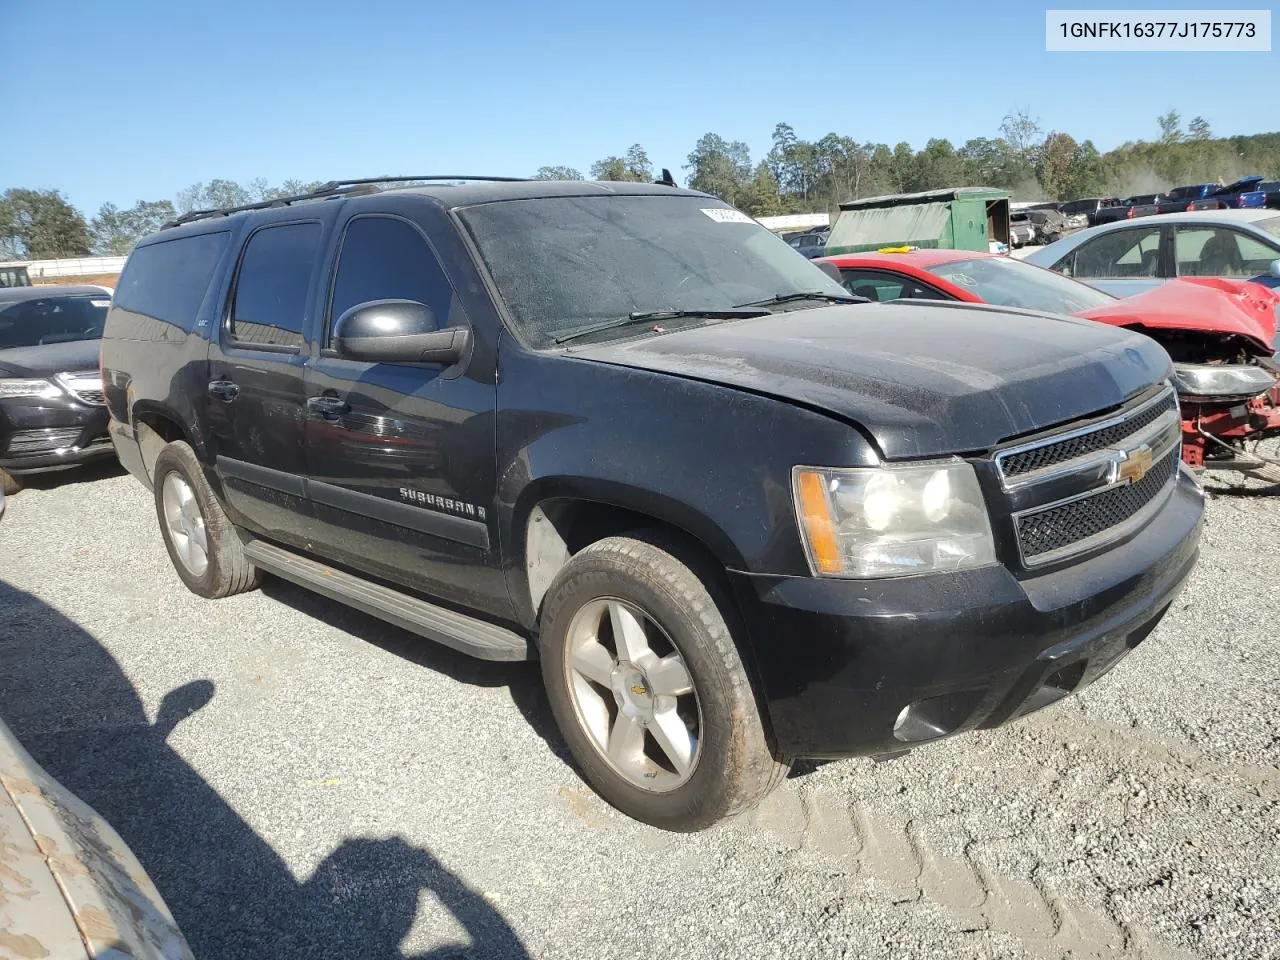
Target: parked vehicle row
{"type": "Point", "coordinates": [1245, 193]}
{"type": "Point", "coordinates": [631, 433]}
{"type": "Point", "coordinates": [1221, 335]}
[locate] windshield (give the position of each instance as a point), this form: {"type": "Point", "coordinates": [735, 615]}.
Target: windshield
{"type": "Point", "coordinates": [565, 264]}
{"type": "Point", "coordinates": [33, 323]}
{"type": "Point", "coordinates": [1012, 283]}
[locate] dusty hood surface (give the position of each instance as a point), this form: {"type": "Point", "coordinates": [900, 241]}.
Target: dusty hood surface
{"type": "Point", "coordinates": [924, 379]}
{"type": "Point", "coordinates": [67, 880]}
{"type": "Point", "coordinates": [1205, 304]}
{"type": "Point", "coordinates": [76, 355]}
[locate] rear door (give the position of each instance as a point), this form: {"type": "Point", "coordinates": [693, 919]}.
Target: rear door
{"type": "Point", "coordinates": [255, 395]}
{"type": "Point", "coordinates": [401, 457]}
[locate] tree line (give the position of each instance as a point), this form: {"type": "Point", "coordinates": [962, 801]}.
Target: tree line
{"type": "Point", "coordinates": [794, 176]}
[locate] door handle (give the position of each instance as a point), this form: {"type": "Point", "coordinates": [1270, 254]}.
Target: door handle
{"type": "Point", "coordinates": [224, 390]}
{"type": "Point", "coordinates": [327, 406]}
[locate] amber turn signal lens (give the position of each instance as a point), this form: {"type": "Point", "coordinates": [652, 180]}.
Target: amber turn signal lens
{"type": "Point", "coordinates": [815, 513]}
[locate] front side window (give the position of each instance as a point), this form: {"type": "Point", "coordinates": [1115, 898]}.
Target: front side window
{"type": "Point", "coordinates": [563, 264]}
{"type": "Point", "coordinates": [271, 289]}
{"type": "Point", "coordinates": [1122, 253]}
{"type": "Point", "coordinates": [44, 320]}
{"type": "Point", "coordinates": [1011, 283]}
{"type": "Point", "coordinates": [385, 258]}
{"type": "Point", "coordinates": [881, 286]}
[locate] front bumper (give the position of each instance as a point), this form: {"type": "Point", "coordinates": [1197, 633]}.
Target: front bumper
{"type": "Point", "coordinates": [851, 667]}
{"type": "Point", "coordinates": [39, 435]}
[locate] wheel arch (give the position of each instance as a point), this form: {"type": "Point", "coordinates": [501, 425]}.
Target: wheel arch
{"type": "Point", "coordinates": [155, 425]}
{"type": "Point", "coordinates": [553, 520]}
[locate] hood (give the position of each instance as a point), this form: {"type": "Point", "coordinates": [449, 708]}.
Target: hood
{"type": "Point", "coordinates": [1203, 305]}
{"type": "Point", "coordinates": [923, 379]}
{"type": "Point", "coordinates": [49, 359]}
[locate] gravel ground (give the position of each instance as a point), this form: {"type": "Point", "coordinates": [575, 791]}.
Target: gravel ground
{"type": "Point", "coordinates": [301, 780]}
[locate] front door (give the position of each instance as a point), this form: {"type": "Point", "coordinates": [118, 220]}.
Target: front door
{"type": "Point", "coordinates": [256, 399]}
{"type": "Point", "coordinates": [1124, 262]}
{"type": "Point", "coordinates": [401, 456]}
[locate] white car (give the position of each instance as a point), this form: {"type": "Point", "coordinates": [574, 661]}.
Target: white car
{"type": "Point", "coordinates": [69, 887]}
{"type": "Point", "coordinates": [1132, 256]}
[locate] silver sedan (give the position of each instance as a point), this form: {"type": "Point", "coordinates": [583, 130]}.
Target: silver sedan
{"type": "Point", "coordinates": [1132, 256]}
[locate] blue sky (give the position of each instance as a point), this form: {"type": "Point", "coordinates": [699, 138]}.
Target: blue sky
{"type": "Point", "coordinates": [135, 99]}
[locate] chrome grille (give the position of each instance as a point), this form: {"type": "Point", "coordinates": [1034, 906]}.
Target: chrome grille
{"type": "Point", "coordinates": [26, 442]}
{"type": "Point", "coordinates": [1058, 528]}
{"type": "Point", "coordinates": [1088, 486]}
{"type": "Point", "coordinates": [1051, 452]}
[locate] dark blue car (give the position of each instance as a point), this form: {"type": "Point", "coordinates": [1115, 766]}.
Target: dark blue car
{"type": "Point", "coordinates": [1195, 191]}
{"type": "Point", "coordinates": [810, 244]}
{"type": "Point", "coordinates": [1261, 193]}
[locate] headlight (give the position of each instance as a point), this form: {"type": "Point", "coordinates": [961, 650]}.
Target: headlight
{"type": "Point", "coordinates": [1221, 380]}
{"type": "Point", "coordinates": [890, 521]}
{"type": "Point", "coordinates": [41, 389]}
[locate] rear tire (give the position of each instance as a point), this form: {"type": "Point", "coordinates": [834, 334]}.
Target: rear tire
{"type": "Point", "coordinates": [203, 544]}
{"type": "Point", "coordinates": [9, 483]}
{"type": "Point", "coordinates": [677, 670]}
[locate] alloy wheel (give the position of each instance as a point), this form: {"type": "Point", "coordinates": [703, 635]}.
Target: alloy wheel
{"type": "Point", "coordinates": [633, 694]}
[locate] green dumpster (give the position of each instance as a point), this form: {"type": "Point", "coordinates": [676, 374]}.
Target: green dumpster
{"type": "Point", "coordinates": [959, 218]}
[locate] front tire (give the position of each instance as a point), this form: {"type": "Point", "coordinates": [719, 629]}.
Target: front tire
{"type": "Point", "coordinates": [206, 551]}
{"type": "Point", "coordinates": [649, 689]}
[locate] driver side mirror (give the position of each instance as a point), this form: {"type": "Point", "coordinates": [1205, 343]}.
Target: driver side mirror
{"type": "Point", "coordinates": [1274, 269]}
{"type": "Point", "coordinates": [397, 331]}
{"type": "Point", "coordinates": [832, 271]}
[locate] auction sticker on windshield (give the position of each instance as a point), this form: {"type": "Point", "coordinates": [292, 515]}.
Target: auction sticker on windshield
{"type": "Point", "coordinates": [724, 215]}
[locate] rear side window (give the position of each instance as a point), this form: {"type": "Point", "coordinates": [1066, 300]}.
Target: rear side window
{"type": "Point", "coordinates": [1220, 252]}
{"type": "Point", "coordinates": [270, 302]}
{"type": "Point", "coordinates": [385, 258]}
{"type": "Point", "coordinates": [167, 281]}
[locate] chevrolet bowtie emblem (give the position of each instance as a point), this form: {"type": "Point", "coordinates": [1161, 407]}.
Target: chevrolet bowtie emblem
{"type": "Point", "coordinates": [1135, 464]}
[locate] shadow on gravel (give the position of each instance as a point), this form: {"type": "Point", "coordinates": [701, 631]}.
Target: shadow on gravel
{"type": "Point", "coordinates": [1236, 491]}
{"type": "Point", "coordinates": [522, 680]}
{"type": "Point", "coordinates": [74, 710]}
{"type": "Point", "coordinates": [91, 472]}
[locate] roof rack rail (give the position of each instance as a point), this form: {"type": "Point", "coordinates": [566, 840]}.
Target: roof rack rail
{"type": "Point", "coordinates": [333, 188]}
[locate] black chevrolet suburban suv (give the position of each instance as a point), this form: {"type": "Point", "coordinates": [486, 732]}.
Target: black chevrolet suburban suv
{"type": "Point", "coordinates": [740, 516]}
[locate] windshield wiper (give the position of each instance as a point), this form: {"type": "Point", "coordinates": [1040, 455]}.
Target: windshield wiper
{"type": "Point", "coordinates": [807, 295]}
{"type": "Point", "coordinates": [649, 316]}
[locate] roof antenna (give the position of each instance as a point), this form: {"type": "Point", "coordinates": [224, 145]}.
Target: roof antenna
{"type": "Point", "coordinates": [666, 180]}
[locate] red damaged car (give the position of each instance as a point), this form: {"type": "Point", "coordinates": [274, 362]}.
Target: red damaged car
{"type": "Point", "coordinates": [1221, 335]}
